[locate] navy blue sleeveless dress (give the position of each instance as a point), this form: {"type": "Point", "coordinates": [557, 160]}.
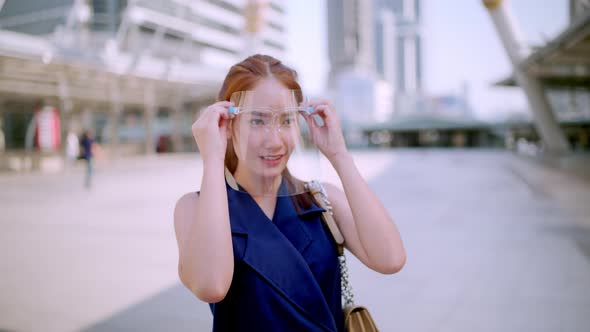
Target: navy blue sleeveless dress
{"type": "Point", "coordinates": [286, 274]}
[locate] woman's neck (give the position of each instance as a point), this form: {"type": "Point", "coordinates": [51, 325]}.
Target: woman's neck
{"type": "Point", "coordinates": [257, 185]}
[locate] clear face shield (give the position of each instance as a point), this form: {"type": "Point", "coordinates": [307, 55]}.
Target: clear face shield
{"type": "Point", "coordinates": [271, 139]}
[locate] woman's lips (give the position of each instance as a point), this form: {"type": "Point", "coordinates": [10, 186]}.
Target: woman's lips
{"type": "Point", "coordinates": [272, 160]}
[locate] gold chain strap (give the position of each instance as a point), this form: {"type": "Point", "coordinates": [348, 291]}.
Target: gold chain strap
{"type": "Point", "coordinates": [315, 187]}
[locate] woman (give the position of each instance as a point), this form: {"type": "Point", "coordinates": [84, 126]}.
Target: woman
{"type": "Point", "coordinates": [266, 262]}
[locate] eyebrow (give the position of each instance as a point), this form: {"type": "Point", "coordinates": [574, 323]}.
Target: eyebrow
{"type": "Point", "coordinates": [262, 114]}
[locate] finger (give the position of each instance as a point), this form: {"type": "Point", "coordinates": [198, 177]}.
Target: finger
{"type": "Point", "coordinates": [329, 112]}
{"type": "Point", "coordinates": [321, 102]}
{"type": "Point", "coordinates": [219, 105]}
{"type": "Point", "coordinates": [224, 103]}
{"type": "Point", "coordinates": [310, 121]}
{"type": "Point", "coordinates": [305, 116]}
{"type": "Point", "coordinates": [220, 112]}
{"type": "Point", "coordinates": [223, 124]}
{"type": "Point", "coordinates": [226, 106]}
{"type": "Point", "coordinates": [323, 111]}
{"type": "Point", "coordinates": [323, 108]}
{"type": "Point", "coordinates": [318, 122]}
{"type": "Point", "coordinates": [225, 114]}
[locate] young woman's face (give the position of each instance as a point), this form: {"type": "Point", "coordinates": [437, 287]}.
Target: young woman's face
{"type": "Point", "coordinates": [265, 134]}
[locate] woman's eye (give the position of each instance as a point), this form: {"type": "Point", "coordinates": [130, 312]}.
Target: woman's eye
{"type": "Point", "coordinates": [257, 122]}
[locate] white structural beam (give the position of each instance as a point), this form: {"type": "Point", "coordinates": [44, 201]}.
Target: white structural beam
{"type": "Point", "coordinates": [200, 33]}
{"type": "Point", "coordinates": [549, 130]}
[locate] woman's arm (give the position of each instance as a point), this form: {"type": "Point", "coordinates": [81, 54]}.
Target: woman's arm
{"type": "Point", "coordinates": [205, 259]}
{"type": "Point", "coordinates": [204, 238]}
{"type": "Point", "coordinates": [368, 230]}
{"type": "Point", "coordinates": [369, 233]}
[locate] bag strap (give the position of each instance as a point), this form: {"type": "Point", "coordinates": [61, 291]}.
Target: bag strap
{"type": "Point", "coordinates": [321, 198]}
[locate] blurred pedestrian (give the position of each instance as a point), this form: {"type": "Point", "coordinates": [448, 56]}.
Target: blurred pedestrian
{"type": "Point", "coordinates": [90, 149]}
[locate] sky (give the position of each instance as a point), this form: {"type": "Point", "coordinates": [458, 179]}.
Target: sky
{"type": "Point", "coordinates": [460, 47]}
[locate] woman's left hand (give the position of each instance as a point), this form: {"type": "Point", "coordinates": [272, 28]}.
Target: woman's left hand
{"type": "Point", "coordinates": [328, 137]}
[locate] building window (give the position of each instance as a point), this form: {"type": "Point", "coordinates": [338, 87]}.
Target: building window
{"type": "Point", "coordinates": [276, 27]}
{"type": "Point", "coordinates": [218, 26]}
{"type": "Point", "coordinates": [277, 7]}
{"type": "Point", "coordinates": [226, 5]}
{"type": "Point", "coordinates": [274, 45]}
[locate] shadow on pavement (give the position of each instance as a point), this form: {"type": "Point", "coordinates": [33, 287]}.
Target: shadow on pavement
{"type": "Point", "coordinates": [173, 309]}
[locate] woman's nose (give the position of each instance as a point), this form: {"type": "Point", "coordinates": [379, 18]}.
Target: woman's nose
{"type": "Point", "coordinates": [272, 137]}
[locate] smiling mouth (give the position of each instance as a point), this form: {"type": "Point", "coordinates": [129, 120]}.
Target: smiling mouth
{"type": "Point", "coordinates": [272, 158]}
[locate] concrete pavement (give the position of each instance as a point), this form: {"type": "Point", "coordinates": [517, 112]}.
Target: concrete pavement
{"type": "Point", "coordinates": [494, 242]}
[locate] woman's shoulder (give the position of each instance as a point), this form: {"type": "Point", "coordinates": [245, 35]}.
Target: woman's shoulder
{"type": "Point", "coordinates": [188, 198]}
{"type": "Point", "coordinates": [185, 203]}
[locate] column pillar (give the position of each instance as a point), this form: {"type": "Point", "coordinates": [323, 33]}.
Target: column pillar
{"type": "Point", "coordinates": [149, 117]}
{"type": "Point", "coordinates": [116, 108]}
{"type": "Point", "coordinates": [177, 111]}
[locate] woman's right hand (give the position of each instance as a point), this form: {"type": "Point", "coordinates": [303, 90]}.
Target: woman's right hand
{"type": "Point", "coordinates": [210, 131]}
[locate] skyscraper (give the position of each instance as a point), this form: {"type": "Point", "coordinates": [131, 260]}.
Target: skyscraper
{"type": "Point", "coordinates": [360, 34]}
{"type": "Point", "coordinates": [375, 49]}
{"type": "Point", "coordinates": [350, 36]}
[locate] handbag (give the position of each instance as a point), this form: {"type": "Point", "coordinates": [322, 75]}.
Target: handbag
{"type": "Point", "coordinates": [356, 318]}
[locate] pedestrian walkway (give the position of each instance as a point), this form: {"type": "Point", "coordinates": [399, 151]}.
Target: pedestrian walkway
{"type": "Point", "coordinates": [495, 242]}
